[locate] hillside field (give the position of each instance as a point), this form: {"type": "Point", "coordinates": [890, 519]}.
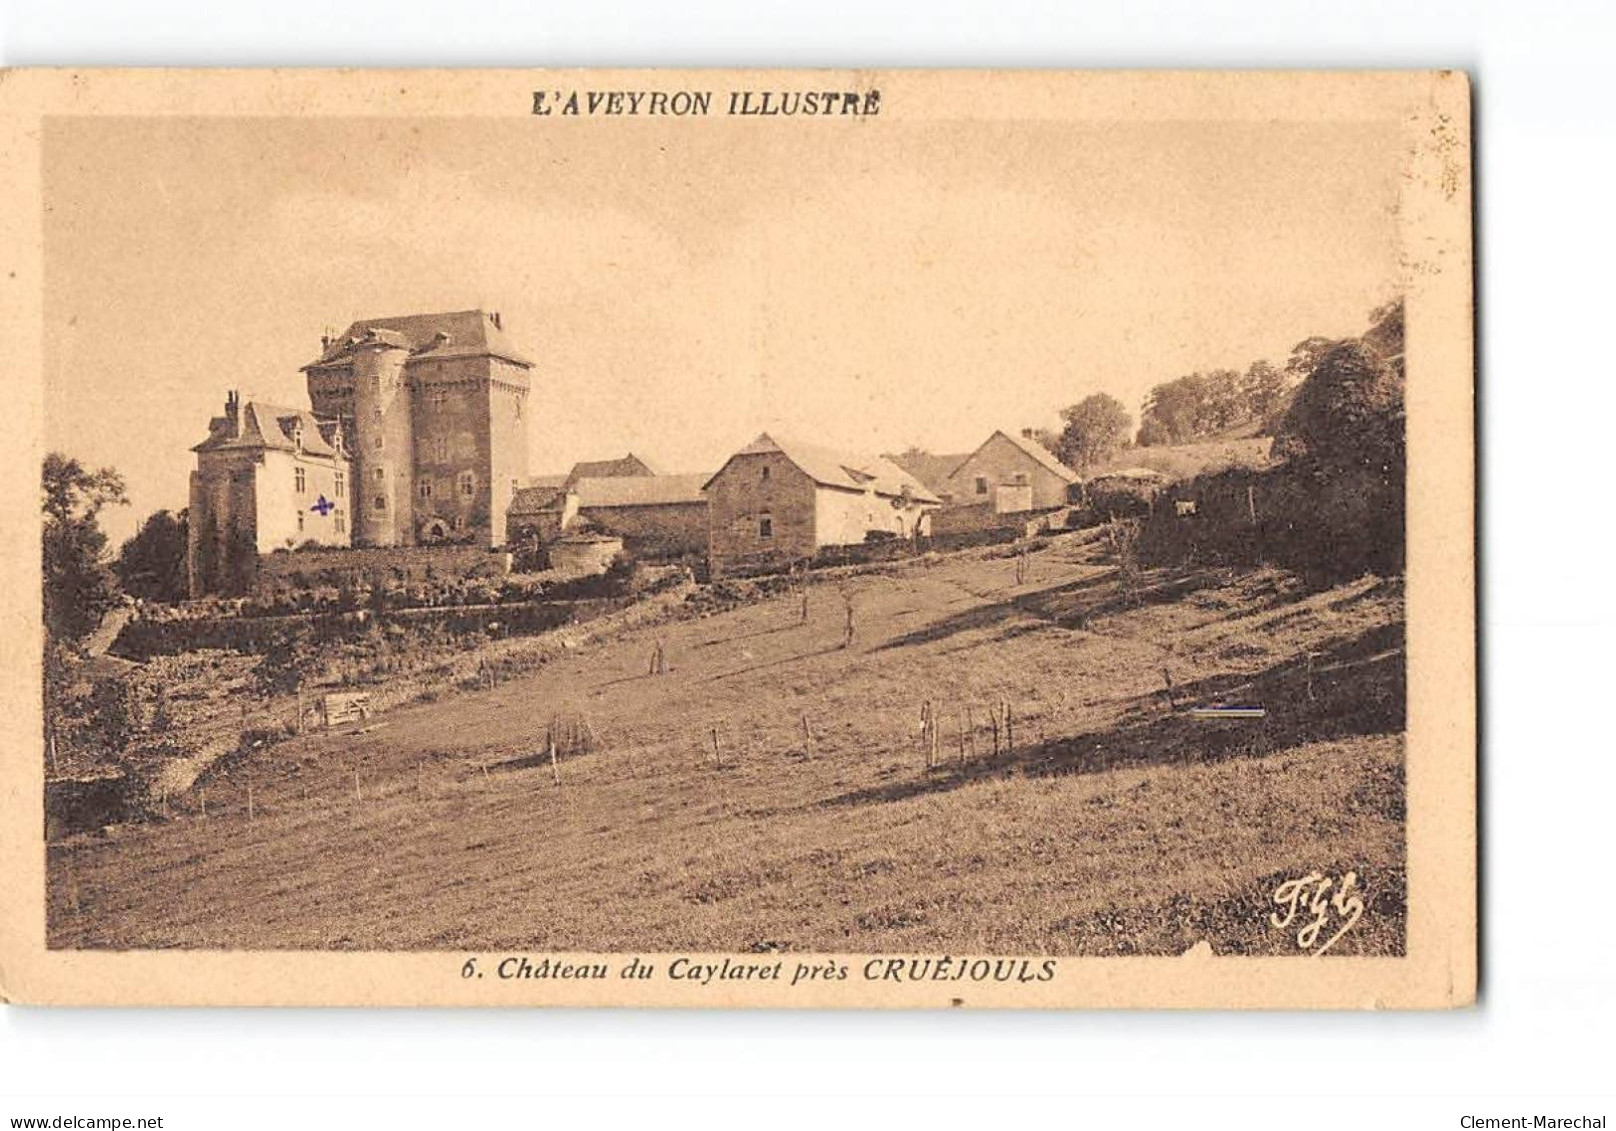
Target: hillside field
{"type": "Point", "coordinates": [1117, 824]}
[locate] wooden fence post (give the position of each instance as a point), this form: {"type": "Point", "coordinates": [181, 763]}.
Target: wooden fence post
{"type": "Point", "coordinates": [718, 759]}
{"type": "Point", "coordinates": [203, 797]}
{"type": "Point", "coordinates": [249, 801]}
{"type": "Point", "coordinates": [555, 768]}
{"type": "Point", "coordinates": [1009, 729]}
{"type": "Point", "coordinates": [358, 798]}
{"type": "Point", "coordinates": [807, 737]}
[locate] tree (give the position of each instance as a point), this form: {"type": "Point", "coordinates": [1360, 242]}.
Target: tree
{"type": "Point", "coordinates": [1097, 427]}
{"type": "Point", "coordinates": [79, 588]}
{"type": "Point", "coordinates": [1176, 411]}
{"type": "Point", "coordinates": [1225, 402]}
{"type": "Point", "coordinates": [152, 563]}
{"type": "Point", "coordinates": [1264, 389]}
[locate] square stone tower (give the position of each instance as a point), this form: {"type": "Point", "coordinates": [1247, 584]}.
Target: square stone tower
{"type": "Point", "coordinates": [435, 405]}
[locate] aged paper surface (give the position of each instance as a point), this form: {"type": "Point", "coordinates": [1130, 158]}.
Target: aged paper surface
{"type": "Point", "coordinates": [799, 539]}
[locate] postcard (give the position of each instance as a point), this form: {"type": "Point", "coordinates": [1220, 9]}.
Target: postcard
{"type": "Point", "coordinates": [797, 539]}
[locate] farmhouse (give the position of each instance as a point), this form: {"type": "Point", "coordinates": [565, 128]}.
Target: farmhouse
{"type": "Point", "coordinates": [779, 500]}
{"type": "Point", "coordinates": [1014, 473]}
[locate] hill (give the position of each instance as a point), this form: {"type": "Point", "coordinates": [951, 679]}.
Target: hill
{"type": "Point", "coordinates": [1108, 822]}
{"type": "Point", "coordinates": [1238, 447]}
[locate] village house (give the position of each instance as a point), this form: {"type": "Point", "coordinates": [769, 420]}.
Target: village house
{"type": "Point", "coordinates": [267, 478]}
{"type": "Point", "coordinates": [1013, 473]}
{"type": "Point", "coordinates": [777, 501]}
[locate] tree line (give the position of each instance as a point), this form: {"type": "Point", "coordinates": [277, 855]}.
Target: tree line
{"type": "Point", "coordinates": [1192, 407]}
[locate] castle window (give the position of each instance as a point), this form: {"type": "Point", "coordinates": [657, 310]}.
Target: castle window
{"type": "Point", "coordinates": [468, 483]}
{"type": "Point", "coordinates": [381, 474]}
{"type": "Point", "coordinates": [341, 523]}
{"type": "Point", "coordinates": [440, 449]}
{"type": "Point", "coordinates": [375, 382]}
{"type": "Point", "coordinates": [377, 444]}
{"type": "Point", "coordinates": [300, 522]}
{"type": "Point", "coordinates": [379, 503]}
{"type": "Point", "coordinates": [765, 526]}
{"type": "Point", "coordinates": [341, 481]}
{"type": "Point", "coordinates": [424, 488]}
{"type": "Point", "coordinates": [300, 477]}
{"type": "Point", "coordinates": [765, 473]}
{"type": "Point", "coordinates": [439, 398]}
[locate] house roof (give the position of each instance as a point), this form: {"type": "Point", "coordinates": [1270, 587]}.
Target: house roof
{"type": "Point", "coordinates": [1033, 449]}
{"type": "Point", "coordinates": [641, 490]}
{"type": "Point", "coordinates": [535, 500]}
{"type": "Point", "coordinates": [460, 333]}
{"type": "Point", "coordinates": [629, 465]}
{"type": "Point", "coordinates": [262, 425]}
{"type": "Point", "coordinates": [848, 471]}
{"type": "Point", "coordinates": [931, 470]}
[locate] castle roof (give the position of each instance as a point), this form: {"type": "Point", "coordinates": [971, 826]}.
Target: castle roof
{"type": "Point", "coordinates": [260, 425]}
{"type": "Point", "coordinates": [845, 470]}
{"type": "Point", "coordinates": [461, 333]}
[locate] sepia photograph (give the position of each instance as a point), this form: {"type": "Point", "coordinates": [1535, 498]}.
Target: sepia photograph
{"type": "Point", "coordinates": [787, 538]}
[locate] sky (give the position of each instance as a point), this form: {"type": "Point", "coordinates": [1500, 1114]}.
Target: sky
{"type": "Point", "coordinates": [870, 285]}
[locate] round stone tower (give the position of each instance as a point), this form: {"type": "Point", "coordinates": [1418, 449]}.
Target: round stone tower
{"type": "Point", "coordinates": [384, 442]}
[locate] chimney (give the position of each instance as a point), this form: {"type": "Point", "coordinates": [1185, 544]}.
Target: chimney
{"type": "Point", "coordinates": [232, 409]}
{"type": "Point", "coordinates": [494, 318]}
{"type": "Point", "coordinates": [1027, 433]}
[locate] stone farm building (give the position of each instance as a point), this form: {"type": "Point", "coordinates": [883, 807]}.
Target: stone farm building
{"type": "Point", "coordinates": [416, 437]}
{"type": "Point", "coordinates": [1012, 472]}
{"type": "Point", "coordinates": [779, 501]}
{"type": "Point", "coordinates": [658, 517]}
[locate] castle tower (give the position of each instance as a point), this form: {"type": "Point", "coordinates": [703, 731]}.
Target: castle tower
{"type": "Point", "coordinates": [432, 405]}
{"type": "Point", "coordinates": [384, 441]}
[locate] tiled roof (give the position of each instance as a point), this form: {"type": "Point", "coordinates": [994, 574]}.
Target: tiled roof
{"type": "Point", "coordinates": [262, 425]}
{"type": "Point", "coordinates": [461, 333]}
{"type": "Point", "coordinates": [629, 465]}
{"type": "Point", "coordinates": [640, 490]}
{"type": "Point", "coordinates": [931, 470]}
{"type": "Point", "coordinates": [535, 500]}
{"type": "Point", "coordinates": [847, 470]}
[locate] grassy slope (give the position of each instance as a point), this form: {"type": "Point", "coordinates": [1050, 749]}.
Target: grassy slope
{"type": "Point", "coordinates": [1116, 826]}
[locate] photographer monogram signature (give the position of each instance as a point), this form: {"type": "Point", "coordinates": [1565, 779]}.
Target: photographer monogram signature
{"type": "Point", "coordinates": [1309, 901]}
